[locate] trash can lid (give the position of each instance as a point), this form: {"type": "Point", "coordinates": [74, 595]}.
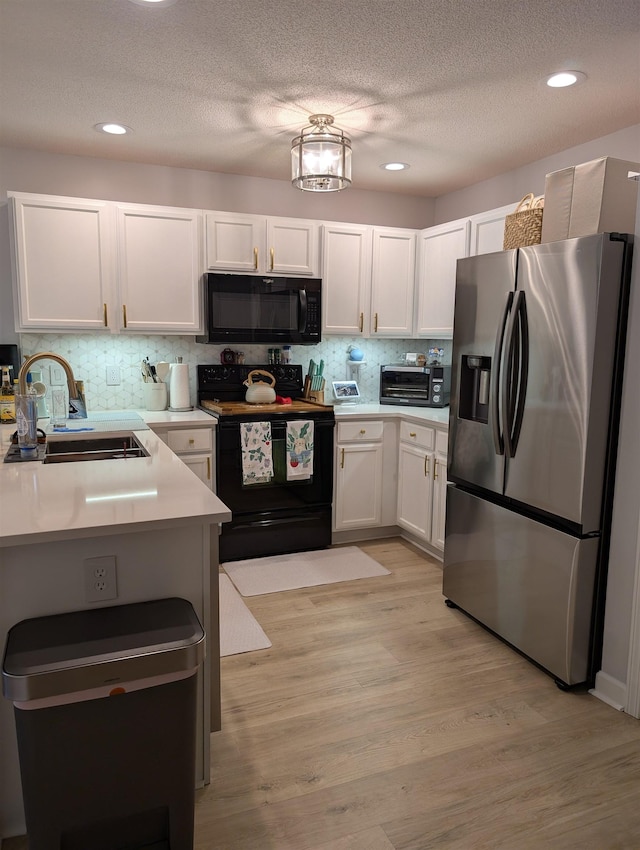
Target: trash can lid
{"type": "Point", "coordinates": [66, 653]}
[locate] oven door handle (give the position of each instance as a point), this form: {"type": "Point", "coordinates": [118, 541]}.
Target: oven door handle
{"type": "Point", "coordinates": [291, 520]}
{"type": "Point", "coordinates": [302, 314]}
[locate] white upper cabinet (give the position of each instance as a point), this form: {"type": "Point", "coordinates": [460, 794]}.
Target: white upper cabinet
{"type": "Point", "coordinates": [392, 282]}
{"type": "Point", "coordinates": [248, 243]}
{"type": "Point", "coordinates": [439, 249]}
{"type": "Point", "coordinates": [346, 278]}
{"type": "Point", "coordinates": [63, 262]}
{"type": "Point", "coordinates": [95, 265]}
{"type": "Point", "coordinates": [235, 242]}
{"type": "Point", "coordinates": [293, 246]}
{"type": "Point", "coordinates": [487, 230]}
{"type": "Point", "coordinates": [159, 269]}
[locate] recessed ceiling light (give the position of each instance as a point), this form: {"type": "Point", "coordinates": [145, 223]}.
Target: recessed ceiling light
{"type": "Point", "coordinates": [394, 166]}
{"type": "Point", "coordinates": [565, 78]}
{"type": "Point", "coordinates": [112, 129]}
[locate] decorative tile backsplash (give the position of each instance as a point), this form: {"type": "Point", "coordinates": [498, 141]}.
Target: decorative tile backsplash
{"type": "Point", "coordinates": [91, 354]}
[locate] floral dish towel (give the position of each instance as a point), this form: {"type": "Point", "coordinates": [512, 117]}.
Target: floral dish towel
{"type": "Point", "coordinates": [299, 449]}
{"type": "Point", "coordinates": [257, 461]}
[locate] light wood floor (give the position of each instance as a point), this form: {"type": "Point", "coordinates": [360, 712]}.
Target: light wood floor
{"type": "Point", "coordinates": [382, 720]}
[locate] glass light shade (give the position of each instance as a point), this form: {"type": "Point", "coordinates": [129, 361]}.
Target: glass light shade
{"type": "Point", "coordinates": [321, 157]}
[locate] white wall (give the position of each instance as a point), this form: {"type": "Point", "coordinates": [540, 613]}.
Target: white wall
{"type": "Point", "coordinates": [626, 508]}
{"type": "Point", "coordinates": [509, 187]}
{"type": "Point", "coordinates": [85, 177]}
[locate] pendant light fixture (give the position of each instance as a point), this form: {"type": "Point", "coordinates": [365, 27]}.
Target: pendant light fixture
{"type": "Point", "coordinates": [321, 157]}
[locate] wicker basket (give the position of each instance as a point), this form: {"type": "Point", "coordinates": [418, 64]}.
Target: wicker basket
{"type": "Point", "coordinates": [524, 226]}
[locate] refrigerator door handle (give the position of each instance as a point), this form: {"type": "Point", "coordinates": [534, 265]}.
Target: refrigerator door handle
{"type": "Point", "coordinates": [499, 375]}
{"type": "Point", "coordinates": [514, 385]}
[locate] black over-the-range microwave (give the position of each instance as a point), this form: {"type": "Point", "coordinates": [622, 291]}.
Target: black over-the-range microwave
{"type": "Point", "coordinates": [246, 308]}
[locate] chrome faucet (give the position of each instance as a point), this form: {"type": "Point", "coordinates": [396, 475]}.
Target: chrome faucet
{"type": "Point", "coordinates": [76, 395]}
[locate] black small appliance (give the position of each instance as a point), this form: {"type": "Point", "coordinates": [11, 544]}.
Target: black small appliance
{"type": "Point", "coordinates": [252, 308]}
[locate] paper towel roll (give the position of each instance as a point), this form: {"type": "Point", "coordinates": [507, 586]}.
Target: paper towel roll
{"type": "Point", "coordinates": [179, 387]}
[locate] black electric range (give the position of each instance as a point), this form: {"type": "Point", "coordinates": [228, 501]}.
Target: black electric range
{"type": "Point", "coordinates": [282, 514]}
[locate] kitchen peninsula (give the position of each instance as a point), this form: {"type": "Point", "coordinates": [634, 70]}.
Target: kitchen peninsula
{"type": "Point", "coordinates": [152, 515]}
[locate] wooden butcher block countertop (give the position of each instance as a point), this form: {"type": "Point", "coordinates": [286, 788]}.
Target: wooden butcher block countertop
{"type": "Point", "coordinates": [233, 408]}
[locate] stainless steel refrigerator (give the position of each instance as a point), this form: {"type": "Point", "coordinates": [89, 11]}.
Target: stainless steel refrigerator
{"type": "Point", "coordinates": [538, 351]}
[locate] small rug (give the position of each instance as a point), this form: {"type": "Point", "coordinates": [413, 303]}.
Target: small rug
{"type": "Point", "coordinates": [239, 629]}
{"type": "Point", "coordinates": [301, 569]}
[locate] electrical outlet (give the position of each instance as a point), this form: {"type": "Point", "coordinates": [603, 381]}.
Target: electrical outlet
{"type": "Point", "coordinates": [113, 375]}
{"type": "Point", "coordinates": [100, 580]}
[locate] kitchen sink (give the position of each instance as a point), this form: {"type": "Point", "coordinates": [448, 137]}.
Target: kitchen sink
{"type": "Point", "coordinates": [111, 447]}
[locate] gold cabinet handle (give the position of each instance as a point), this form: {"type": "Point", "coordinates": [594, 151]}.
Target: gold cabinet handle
{"type": "Point", "coordinates": [363, 431]}
{"type": "Point", "coordinates": [255, 259]}
{"type": "Point", "coordinates": [341, 458]}
{"type": "Point", "coordinates": [208, 469]}
{"type": "Point", "coordinates": [124, 315]}
{"type": "Point", "coordinates": [435, 469]}
{"type": "Point", "coordinates": [361, 322]}
{"type": "Point", "coordinates": [271, 253]}
{"type": "Point", "coordinates": [104, 315]}
{"type": "Point", "coordinates": [191, 441]}
{"type": "Point", "coordinates": [426, 466]}
{"type": "Point", "coordinates": [412, 434]}
{"type": "Point", "coordinates": [375, 323]}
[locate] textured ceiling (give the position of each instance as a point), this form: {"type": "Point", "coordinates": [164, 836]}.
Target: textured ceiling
{"type": "Point", "coordinates": [454, 88]}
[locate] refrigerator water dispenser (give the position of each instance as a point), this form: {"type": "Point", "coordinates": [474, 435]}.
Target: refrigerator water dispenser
{"type": "Point", "coordinates": [475, 381]}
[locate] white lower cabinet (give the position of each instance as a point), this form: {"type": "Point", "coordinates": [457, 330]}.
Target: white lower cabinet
{"type": "Point", "coordinates": [422, 478]}
{"type": "Point", "coordinates": [358, 468]}
{"type": "Point", "coordinates": [194, 447]}
{"type": "Point", "coordinates": [439, 498]}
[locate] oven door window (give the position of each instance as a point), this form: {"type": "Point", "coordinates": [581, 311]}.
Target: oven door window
{"type": "Point", "coordinates": [411, 385]}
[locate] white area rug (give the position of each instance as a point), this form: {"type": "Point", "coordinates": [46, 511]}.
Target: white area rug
{"type": "Point", "coordinates": [301, 569]}
{"type": "Point", "coordinates": [239, 629]}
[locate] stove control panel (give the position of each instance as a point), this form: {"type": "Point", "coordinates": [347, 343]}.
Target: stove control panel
{"type": "Point", "coordinates": [226, 381]}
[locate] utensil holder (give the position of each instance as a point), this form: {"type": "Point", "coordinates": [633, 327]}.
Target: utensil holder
{"type": "Point", "coordinates": [155, 396]}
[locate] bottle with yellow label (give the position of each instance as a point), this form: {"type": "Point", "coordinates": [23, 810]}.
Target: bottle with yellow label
{"type": "Point", "coordinates": [7, 398]}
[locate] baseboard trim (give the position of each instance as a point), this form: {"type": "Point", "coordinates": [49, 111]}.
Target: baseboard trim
{"type": "Point", "coordinates": [353, 535]}
{"type": "Point", "coordinates": [610, 690]}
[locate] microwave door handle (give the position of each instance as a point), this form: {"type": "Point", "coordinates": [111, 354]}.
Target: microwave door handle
{"type": "Point", "coordinates": [302, 315]}
{"type": "Point", "coordinates": [498, 438]}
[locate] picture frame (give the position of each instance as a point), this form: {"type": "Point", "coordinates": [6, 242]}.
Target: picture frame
{"type": "Point", "coordinates": [345, 390]}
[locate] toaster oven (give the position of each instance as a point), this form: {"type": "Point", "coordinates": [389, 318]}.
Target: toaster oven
{"type": "Point", "coordinates": [419, 386]}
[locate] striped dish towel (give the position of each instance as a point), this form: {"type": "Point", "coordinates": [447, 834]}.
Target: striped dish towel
{"type": "Point", "coordinates": [299, 449]}
{"type": "Point", "coordinates": [257, 462]}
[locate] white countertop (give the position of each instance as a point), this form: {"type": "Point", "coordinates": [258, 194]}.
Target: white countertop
{"type": "Point", "coordinates": [42, 502]}
{"type": "Point", "coordinates": [438, 416]}
{"type": "Point", "coordinates": [195, 418]}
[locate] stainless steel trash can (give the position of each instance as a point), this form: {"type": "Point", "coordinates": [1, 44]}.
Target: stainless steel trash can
{"type": "Point", "coordinates": [105, 711]}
